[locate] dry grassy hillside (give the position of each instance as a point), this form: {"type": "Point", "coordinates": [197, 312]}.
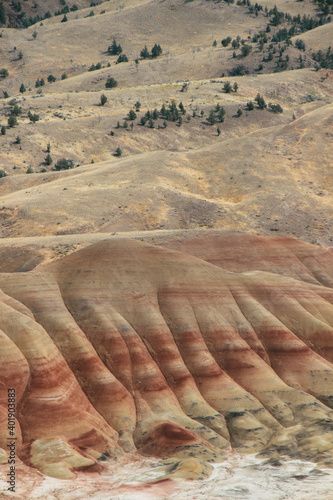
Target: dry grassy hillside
{"type": "Point", "coordinates": [255, 170]}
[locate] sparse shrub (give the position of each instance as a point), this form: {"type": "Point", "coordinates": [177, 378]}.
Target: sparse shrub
{"type": "Point", "coordinates": [122, 58]}
{"type": "Point", "coordinates": [5, 94]}
{"type": "Point", "coordinates": [235, 86]}
{"type": "Point", "coordinates": [111, 83]}
{"type": "Point", "coordinates": [118, 151]}
{"type": "Point", "coordinates": [276, 108]}
{"type": "Point", "coordinates": [215, 43]}
{"type": "Point", "coordinates": [64, 76]}
{"type": "Point", "coordinates": [34, 35]}
{"type": "Point", "coordinates": [3, 173]}
{"type": "Point", "coordinates": [95, 67]}
{"type": "Point", "coordinates": [125, 124]}
{"type": "Point", "coordinates": [18, 140]}
{"type": "Point", "coordinates": [137, 106]}
{"type": "Point", "coordinates": [33, 117]}
{"type": "Point", "coordinates": [238, 70]}
{"type": "Point", "coordinates": [30, 170]}
{"type": "Point", "coordinates": [64, 164]}
{"type": "Point", "coordinates": [20, 55]}
{"type": "Point", "coordinates": [4, 72]}
{"type": "Point", "coordinates": [51, 78]}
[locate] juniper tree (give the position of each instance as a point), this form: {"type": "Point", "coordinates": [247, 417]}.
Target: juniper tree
{"type": "Point", "coordinates": [145, 53]}
{"type": "Point", "coordinates": [111, 83]}
{"type": "Point", "coordinates": [211, 117]}
{"type": "Point", "coordinates": [156, 50]}
{"type": "Point", "coordinates": [103, 99]}
{"type": "Point", "coordinates": [227, 87]}
{"type": "Point", "coordinates": [131, 115]}
{"type": "Point", "coordinates": [115, 49]}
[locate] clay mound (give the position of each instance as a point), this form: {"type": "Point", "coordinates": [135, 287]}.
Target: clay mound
{"type": "Point", "coordinates": [129, 347]}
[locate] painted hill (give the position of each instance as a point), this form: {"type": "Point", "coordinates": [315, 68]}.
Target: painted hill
{"type": "Point", "coordinates": [126, 346]}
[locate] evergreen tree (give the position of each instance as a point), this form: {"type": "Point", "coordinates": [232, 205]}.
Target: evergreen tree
{"type": "Point", "coordinates": [48, 159]}
{"type": "Point", "coordinates": [145, 53]}
{"type": "Point", "coordinates": [22, 88]}
{"type": "Point", "coordinates": [122, 58]}
{"type": "Point", "coordinates": [227, 87]}
{"type": "Point", "coordinates": [12, 121]}
{"type": "Point", "coordinates": [181, 107]}
{"type": "Point", "coordinates": [221, 114]}
{"type": "Point", "coordinates": [156, 50]}
{"type": "Point", "coordinates": [260, 101]}
{"type": "Point", "coordinates": [250, 105]}
{"type": "Point", "coordinates": [3, 130]}
{"type": "Point", "coordinates": [118, 151]}
{"type": "Point", "coordinates": [235, 87]}
{"type": "Point", "coordinates": [218, 130]}
{"type": "Point", "coordinates": [131, 115]}
{"type": "Point", "coordinates": [103, 99]}
{"type": "Point", "coordinates": [2, 14]}
{"type": "Point", "coordinates": [211, 117]}
{"type": "Point", "coordinates": [115, 49]}
{"type": "Point", "coordinates": [111, 83]}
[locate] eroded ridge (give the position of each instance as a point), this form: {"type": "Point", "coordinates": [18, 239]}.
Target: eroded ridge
{"type": "Point", "coordinates": [127, 347]}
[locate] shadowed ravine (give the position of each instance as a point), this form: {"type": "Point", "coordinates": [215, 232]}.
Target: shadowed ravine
{"type": "Point", "coordinates": [126, 346]}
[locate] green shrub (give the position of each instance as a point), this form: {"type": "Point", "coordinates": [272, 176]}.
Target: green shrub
{"type": "Point", "coordinates": [64, 164]}
{"type": "Point", "coordinates": [111, 83]}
